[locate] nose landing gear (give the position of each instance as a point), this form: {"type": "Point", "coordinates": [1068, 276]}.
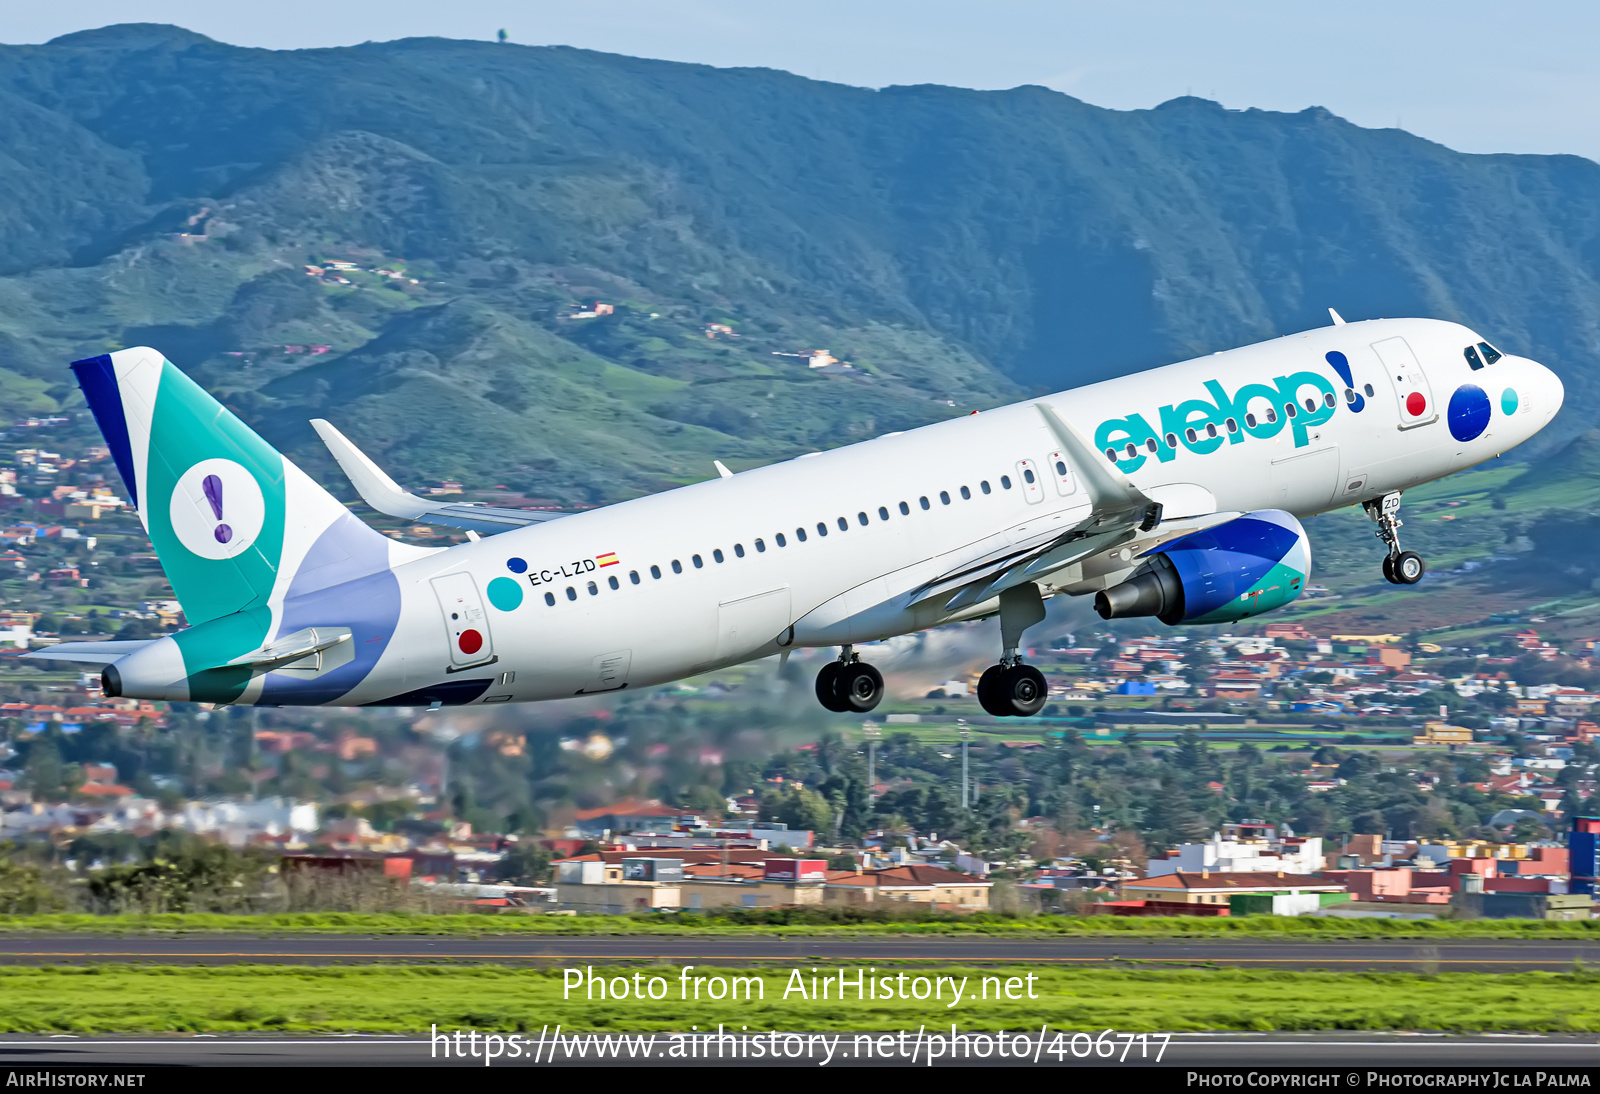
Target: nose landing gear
{"type": "Point", "coordinates": [848, 685]}
{"type": "Point", "coordinates": [1399, 567]}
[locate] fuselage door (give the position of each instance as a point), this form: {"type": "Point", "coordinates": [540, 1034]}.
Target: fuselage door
{"type": "Point", "coordinates": [1061, 471]}
{"type": "Point", "coordinates": [1411, 390]}
{"type": "Point", "coordinates": [466, 624]}
{"type": "Point", "coordinates": [1032, 487]}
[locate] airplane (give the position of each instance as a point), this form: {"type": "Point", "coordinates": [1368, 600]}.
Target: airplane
{"type": "Point", "coordinates": [1172, 493]}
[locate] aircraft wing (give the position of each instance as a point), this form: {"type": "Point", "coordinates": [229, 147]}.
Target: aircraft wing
{"type": "Point", "coordinates": [385, 495]}
{"type": "Point", "coordinates": [1115, 512]}
{"type": "Point", "coordinates": [88, 653]}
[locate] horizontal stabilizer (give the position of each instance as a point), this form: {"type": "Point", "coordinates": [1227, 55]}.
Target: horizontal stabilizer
{"type": "Point", "coordinates": [385, 495]}
{"type": "Point", "coordinates": [293, 647]}
{"type": "Point", "coordinates": [88, 653]}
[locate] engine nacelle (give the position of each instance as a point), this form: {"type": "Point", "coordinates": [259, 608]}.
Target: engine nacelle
{"type": "Point", "coordinates": [1249, 565]}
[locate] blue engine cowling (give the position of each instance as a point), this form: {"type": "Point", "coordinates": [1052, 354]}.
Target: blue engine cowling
{"type": "Point", "coordinates": [1246, 566]}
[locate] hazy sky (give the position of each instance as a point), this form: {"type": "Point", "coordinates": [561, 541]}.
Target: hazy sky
{"type": "Point", "coordinates": [1475, 75]}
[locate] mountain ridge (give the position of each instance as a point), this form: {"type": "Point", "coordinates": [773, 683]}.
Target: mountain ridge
{"type": "Point", "coordinates": [960, 247]}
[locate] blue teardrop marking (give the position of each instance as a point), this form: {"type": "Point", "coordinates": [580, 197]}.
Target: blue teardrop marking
{"type": "Point", "coordinates": [1341, 365]}
{"type": "Point", "coordinates": [1469, 412]}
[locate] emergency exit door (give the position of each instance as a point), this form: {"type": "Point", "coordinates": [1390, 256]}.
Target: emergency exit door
{"type": "Point", "coordinates": [1411, 390]}
{"type": "Point", "coordinates": [466, 624]}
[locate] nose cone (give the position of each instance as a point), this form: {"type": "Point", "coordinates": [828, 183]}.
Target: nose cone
{"type": "Point", "coordinates": [1553, 390]}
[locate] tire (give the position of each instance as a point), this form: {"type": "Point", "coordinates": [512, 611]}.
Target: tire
{"type": "Point", "coordinates": [988, 691]}
{"type": "Point", "coordinates": [1388, 570]}
{"type": "Point", "coordinates": [828, 687]}
{"type": "Point", "coordinates": [1023, 691]}
{"type": "Point", "coordinates": [1409, 568]}
{"type": "Point", "coordinates": [858, 687]}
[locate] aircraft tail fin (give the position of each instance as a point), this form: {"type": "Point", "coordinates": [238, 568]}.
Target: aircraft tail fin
{"type": "Point", "coordinates": [233, 521]}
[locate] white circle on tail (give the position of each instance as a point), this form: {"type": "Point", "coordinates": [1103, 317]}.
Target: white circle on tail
{"type": "Point", "coordinates": [217, 509]}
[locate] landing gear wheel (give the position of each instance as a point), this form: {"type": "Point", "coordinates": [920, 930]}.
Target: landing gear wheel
{"type": "Point", "coordinates": [988, 691]}
{"type": "Point", "coordinates": [857, 687]}
{"type": "Point", "coordinates": [1388, 570]}
{"type": "Point", "coordinates": [828, 687]}
{"type": "Point", "coordinates": [1408, 568]}
{"type": "Point", "coordinates": [1022, 691]}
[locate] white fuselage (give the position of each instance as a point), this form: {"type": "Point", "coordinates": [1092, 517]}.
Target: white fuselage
{"type": "Point", "coordinates": [727, 591]}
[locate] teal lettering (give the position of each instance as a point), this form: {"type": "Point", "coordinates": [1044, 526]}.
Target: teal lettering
{"type": "Point", "coordinates": [1116, 433]}
{"type": "Point", "coordinates": [1292, 389]}
{"type": "Point", "coordinates": [1229, 411]}
{"type": "Point", "coordinates": [1194, 414]}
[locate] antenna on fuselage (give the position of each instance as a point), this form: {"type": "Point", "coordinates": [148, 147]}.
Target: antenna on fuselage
{"type": "Point", "coordinates": [1338, 320]}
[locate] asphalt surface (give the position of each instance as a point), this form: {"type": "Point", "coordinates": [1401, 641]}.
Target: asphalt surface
{"type": "Point", "coordinates": [1347, 1055]}
{"type": "Point", "coordinates": [1351, 955]}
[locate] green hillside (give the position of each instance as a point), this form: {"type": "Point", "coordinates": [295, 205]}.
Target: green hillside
{"type": "Point", "coordinates": [958, 248]}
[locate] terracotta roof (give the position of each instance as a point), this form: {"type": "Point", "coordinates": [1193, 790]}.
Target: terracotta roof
{"type": "Point", "coordinates": [900, 876]}
{"type": "Point", "coordinates": [1233, 879]}
{"type": "Point", "coordinates": [689, 855]}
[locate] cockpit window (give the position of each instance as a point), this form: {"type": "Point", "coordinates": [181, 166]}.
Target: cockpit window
{"type": "Point", "coordinates": [1472, 358]}
{"type": "Point", "coordinates": [1490, 354]}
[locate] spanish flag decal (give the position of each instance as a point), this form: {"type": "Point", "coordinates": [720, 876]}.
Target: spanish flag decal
{"type": "Point", "coordinates": [607, 559]}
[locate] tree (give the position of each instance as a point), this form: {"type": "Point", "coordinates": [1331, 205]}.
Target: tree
{"type": "Point", "coordinates": [526, 863]}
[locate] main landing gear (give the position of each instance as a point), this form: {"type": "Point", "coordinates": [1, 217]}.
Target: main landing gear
{"type": "Point", "coordinates": [1012, 689]}
{"type": "Point", "coordinates": [848, 685]}
{"type": "Point", "coordinates": [1399, 567]}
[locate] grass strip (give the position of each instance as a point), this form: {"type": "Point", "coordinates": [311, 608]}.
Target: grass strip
{"type": "Point", "coordinates": [121, 998]}
{"type": "Point", "coordinates": [800, 923]}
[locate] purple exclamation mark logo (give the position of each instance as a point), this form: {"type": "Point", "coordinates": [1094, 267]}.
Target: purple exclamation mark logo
{"type": "Point", "coordinates": [212, 485]}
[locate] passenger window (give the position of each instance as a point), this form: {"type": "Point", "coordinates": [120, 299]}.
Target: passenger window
{"type": "Point", "coordinates": [800, 534]}
{"type": "Point", "coordinates": [633, 576]}
{"type": "Point", "coordinates": [761, 546]}
{"type": "Point", "coordinates": [1005, 480]}
{"type": "Point", "coordinates": [781, 541]}
{"type": "Point", "coordinates": [1028, 476]}
{"type": "Point", "coordinates": [1272, 415]}
{"type": "Point", "coordinates": [1490, 354]}
{"type": "Point", "coordinates": [1191, 435]}
{"type": "Point", "coordinates": [1132, 450]}
{"type": "Point", "coordinates": [924, 502]}
{"type": "Point", "coordinates": [1289, 409]}
{"type": "Point", "coordinates": [613, 582]}
{"type": "Point", "coordinates": [1250, 420]}
{"type": "Point", "coordinates": [1472, 358]}
{"type": "Point", "coordinates": [717, 554]}
{"type": "Point", "coordinates": [822, 529]}
{"type": "Point", "coordinates": [1328, 399]}
{"type": "Point", "coordinates": [698, 561]}
{"type": "Point", "coordinates": [844, 525]}
{"type": "Point", "coordinates": [1368, 389]}
{"type": "Point", "coordinates": [944, 497]}
{"type": "Point", "coordinates": [883, 513]}
{"type": "Point", "coordinates": [1233, 426]}
{"type": "Point", "coordinates": [594, 590]}
{"type": "Point", "coordinates": [572, 594]}
{"type": "Point", "coordinates": [677, 567]}
{"type": "Point", "coordinates": [1149, 444]}
{"type": "Point", "coordinates": [905, 510]}
{"type": "Point", "coordinates": [550, 599]}
{"type": "Point", "coordinates": [655, 571]}
{"type": "Point", "coordinates": [1350, 395]}
{"type": "Point", "coordinates": [966, 495]}
{"type": "Point", "coordinates": [738, 551]}
{"type": "Point", "coordinates": [984, 486]}
{"type": "Point", "coordinates": [1061, 467]}
{"type": "Point", "coordinates": [1111, 454]}
{"type": "Point", "coordinates": [1172, 440]}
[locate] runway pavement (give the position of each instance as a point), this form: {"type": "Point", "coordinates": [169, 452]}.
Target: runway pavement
{"type": "Point", "coordinates": [1346, 1054]}
{"type": "Point", "coordinates": [331, 949]}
